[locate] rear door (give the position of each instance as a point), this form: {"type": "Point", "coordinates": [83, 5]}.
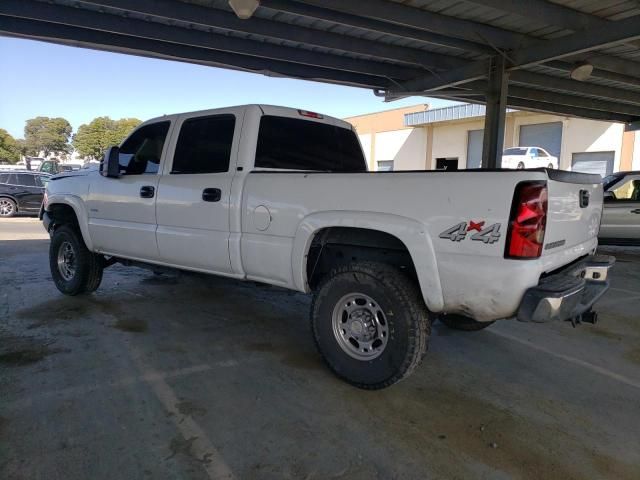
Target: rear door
{"type": "Point", "coordinates": [621, 216]}
{"type": "Point", "coordinates": [194, 195]}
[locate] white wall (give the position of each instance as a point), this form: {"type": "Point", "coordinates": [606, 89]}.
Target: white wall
{"type": "Point", "coordinates": [407, 148]}
{"type": "Point", "coordinates": [365, 141]}
{"type": "Point", "coordinates": [450, 140]}
{"type": "Point", "coordinates": [591, 136]}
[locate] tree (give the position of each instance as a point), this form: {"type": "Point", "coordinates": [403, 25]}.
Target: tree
{"type": "Point", "coordinates": [94, 138]}
{"type": "Point", "coordinates": [9, 148]}
{"type": "Point", "coordinates": [47, 135]}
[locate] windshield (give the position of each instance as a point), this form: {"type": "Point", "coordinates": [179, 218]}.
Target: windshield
{"type": "Point", "coordinates": [610, 180]}
{"type": "Point", "coordinates": [515, 151]}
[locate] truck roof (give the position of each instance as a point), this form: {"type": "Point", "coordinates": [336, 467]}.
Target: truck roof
{"type": "Point", "coordinates": [266, 110]}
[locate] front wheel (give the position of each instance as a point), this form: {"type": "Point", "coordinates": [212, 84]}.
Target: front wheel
{"type": "Point", "coordinates": [370, 324]}
{"type": "Point", "coordinates": [74, 268]}
{"type": "Point", "coordinates": [550, 166]}
{"type": "Point", "coordinates": [461, 322]}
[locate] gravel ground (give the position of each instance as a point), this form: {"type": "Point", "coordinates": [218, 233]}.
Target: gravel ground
{"type": "Point", "coordinates": [188, 376]}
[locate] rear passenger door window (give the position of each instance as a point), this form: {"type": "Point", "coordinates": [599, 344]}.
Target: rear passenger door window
{"type": "Point", "coordinates": [204, 145]}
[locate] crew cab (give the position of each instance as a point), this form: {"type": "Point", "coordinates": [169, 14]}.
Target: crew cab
{"type": "Point", "coordinates": [283, 196]}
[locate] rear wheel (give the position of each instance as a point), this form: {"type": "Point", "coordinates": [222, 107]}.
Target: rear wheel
{"type": "Point", "coordinates": [370, 324]}
{"type": "Point", "coordinates": [520, 165]}
{"type": "Point", "coordinates": [461, 322]}
{"type": "Point", "coordinates": [74, 268]}
{"type": "Point", "coordinates": [8, 207]}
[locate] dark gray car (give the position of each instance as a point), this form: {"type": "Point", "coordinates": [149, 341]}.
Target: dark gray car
{"type": "Point", "coordinates": [621, 214]}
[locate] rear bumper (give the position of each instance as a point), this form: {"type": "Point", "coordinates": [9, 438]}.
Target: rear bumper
{"type": "Point", "coordinates": [568, 293]}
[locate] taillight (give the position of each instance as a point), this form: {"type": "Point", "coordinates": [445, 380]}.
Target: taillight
{"type": "Point", "coordinates": [528, 221]}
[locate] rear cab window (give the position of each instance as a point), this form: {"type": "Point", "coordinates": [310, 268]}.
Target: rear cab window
{"type": "Point", "coordinates": [297, 144]}
{"type": "Point", "coordinates": [515, 151]}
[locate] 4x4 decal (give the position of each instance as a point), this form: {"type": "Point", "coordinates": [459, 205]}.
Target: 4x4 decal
{"type": "Point", "coordinates": [458, 232]}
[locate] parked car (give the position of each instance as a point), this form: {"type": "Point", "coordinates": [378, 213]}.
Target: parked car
{"type": "Point", "coordinates": [283, 196]}
{"type": "Point", "coordinates": [21, 192]}
{"type": "Point", "coordinates": [55, 166]}
{"type": "Point", "coordinates": [528, 157]}
{"type": "Point", "coordinates": [621, 214]}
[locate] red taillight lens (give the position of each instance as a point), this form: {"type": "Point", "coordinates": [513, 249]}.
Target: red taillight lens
{"type": "Point", "coordinates": [307, 113]}
{"type": "Point", "coordinates": [528, 221]}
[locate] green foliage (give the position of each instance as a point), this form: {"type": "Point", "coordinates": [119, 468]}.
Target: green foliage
{"type": "Point", "coordinates": [47, 135]}
{"type": "Point", "coordinates": [9, 147]}
{"type": "Point", "coordinates": [94, 138]}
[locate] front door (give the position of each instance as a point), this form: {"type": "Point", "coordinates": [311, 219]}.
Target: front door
{"type": "Point", "coordinates": [621, 213]}
{"type": "Point", "coordinates": [194, 193]}
{"type": "Point", "coordinates": [122, 211]}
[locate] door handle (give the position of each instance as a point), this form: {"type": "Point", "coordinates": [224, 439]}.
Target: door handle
{"type": "Point", "coordinates": [637, 210]}
{"type": "Point", "coordinates": [147, 191]}
{"type": "Point", "coordinates": [211, 194]}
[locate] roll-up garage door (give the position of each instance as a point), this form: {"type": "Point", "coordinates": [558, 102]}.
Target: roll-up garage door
{"type": "Point", "coordinates": [593, 162]}
{"type": "Point", "coordinates": [474, 148]}
{"type": "Point", "coordinates": [545, 135]}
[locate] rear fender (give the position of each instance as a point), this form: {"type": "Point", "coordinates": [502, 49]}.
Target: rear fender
{"type": "Point", "coordinates": [413, 234]}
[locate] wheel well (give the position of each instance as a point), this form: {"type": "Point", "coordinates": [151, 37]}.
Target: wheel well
{"type": "Point", "coordinates": [62, 214]}
{"type": "Point", "coordinates": [333, 246]}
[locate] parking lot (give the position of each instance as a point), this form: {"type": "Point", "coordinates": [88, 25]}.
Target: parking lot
{"type": "Point", "coordinates": [188, 376]}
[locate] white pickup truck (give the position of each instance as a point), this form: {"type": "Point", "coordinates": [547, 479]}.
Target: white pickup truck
{"type": "Point", "coordinates": [283, 196]}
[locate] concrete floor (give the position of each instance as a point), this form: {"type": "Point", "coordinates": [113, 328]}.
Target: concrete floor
{"type": "Point", "coordinates": [200, 377]}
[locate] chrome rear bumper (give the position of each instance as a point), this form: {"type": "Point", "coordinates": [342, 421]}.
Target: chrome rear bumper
{"type": "Point", "coordinates": [569, 293]}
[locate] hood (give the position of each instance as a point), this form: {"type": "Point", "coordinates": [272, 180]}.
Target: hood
{"type": "Point", "coordinates": [83, 172]}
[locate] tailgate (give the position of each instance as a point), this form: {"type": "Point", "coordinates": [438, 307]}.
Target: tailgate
{"type": "Point", "coordinates": [574, 211]}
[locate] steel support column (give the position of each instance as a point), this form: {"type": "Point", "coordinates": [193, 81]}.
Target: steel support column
{"type": "Point", "coordinates": [496, 99]}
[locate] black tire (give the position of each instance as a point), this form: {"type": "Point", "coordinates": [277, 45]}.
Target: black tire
{"type": "Point", "coordinates": [520, 166]}
{"type": "Point", "coordinates": [8, 208]}
{"type": "Point", "coordinates": [460, 322]}
{"type": "Point", "coordinates": [87, 266]}
{"type": "Point", "coordinates": [406, 320]}
{"type": "Point", "coordinates": [550, 166]}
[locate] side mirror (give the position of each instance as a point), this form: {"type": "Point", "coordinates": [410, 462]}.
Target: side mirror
{"type": "Point", "coordinates": [110, 164]}
{"type": "Point", "coordinates": [608, 196]}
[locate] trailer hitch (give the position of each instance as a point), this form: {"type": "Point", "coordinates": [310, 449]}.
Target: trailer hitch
{"type": "Point", "coordinates": [585, 317]}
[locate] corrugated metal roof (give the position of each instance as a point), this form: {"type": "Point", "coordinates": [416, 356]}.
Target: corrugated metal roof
{"type": "Point", "coordinates": [352, 42]}
{"type": "Point", "coordinates": [454, 112]}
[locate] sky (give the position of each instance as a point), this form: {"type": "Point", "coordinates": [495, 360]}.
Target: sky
{"type": "Point", "coordinates": [43, 79]}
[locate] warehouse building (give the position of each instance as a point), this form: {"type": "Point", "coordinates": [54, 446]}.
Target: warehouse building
{"type": "Point", "coordinates": [419, 138]}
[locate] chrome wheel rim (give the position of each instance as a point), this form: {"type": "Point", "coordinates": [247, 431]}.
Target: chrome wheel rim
{"type": "Point", "coordinates": [360, 326]}
{"type": "Point", "coordinates": [67, 261]}
{"type": "Point", "coordinates": [6, 207]}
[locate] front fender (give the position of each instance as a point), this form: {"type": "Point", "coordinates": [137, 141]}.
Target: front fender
{"type": "Point", "coordinates": [79, 208]}
{"type": "Point", "coordinates": [412, 233]}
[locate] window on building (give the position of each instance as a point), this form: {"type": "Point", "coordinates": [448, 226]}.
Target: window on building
{"type": "Point", "coordinates": [204, 145]}
{"type": "Point", "coordinates": [295, 144]}
{"type": "Point", "coordinates": [385, 165]}
{"type": "Point", "coordinates": [142, 151]}
{"type": "Point", "coordinates": [449, 164]}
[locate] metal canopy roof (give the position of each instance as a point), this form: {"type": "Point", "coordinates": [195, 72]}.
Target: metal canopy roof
{"type": "Point", "coordinates": [438, 48]}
